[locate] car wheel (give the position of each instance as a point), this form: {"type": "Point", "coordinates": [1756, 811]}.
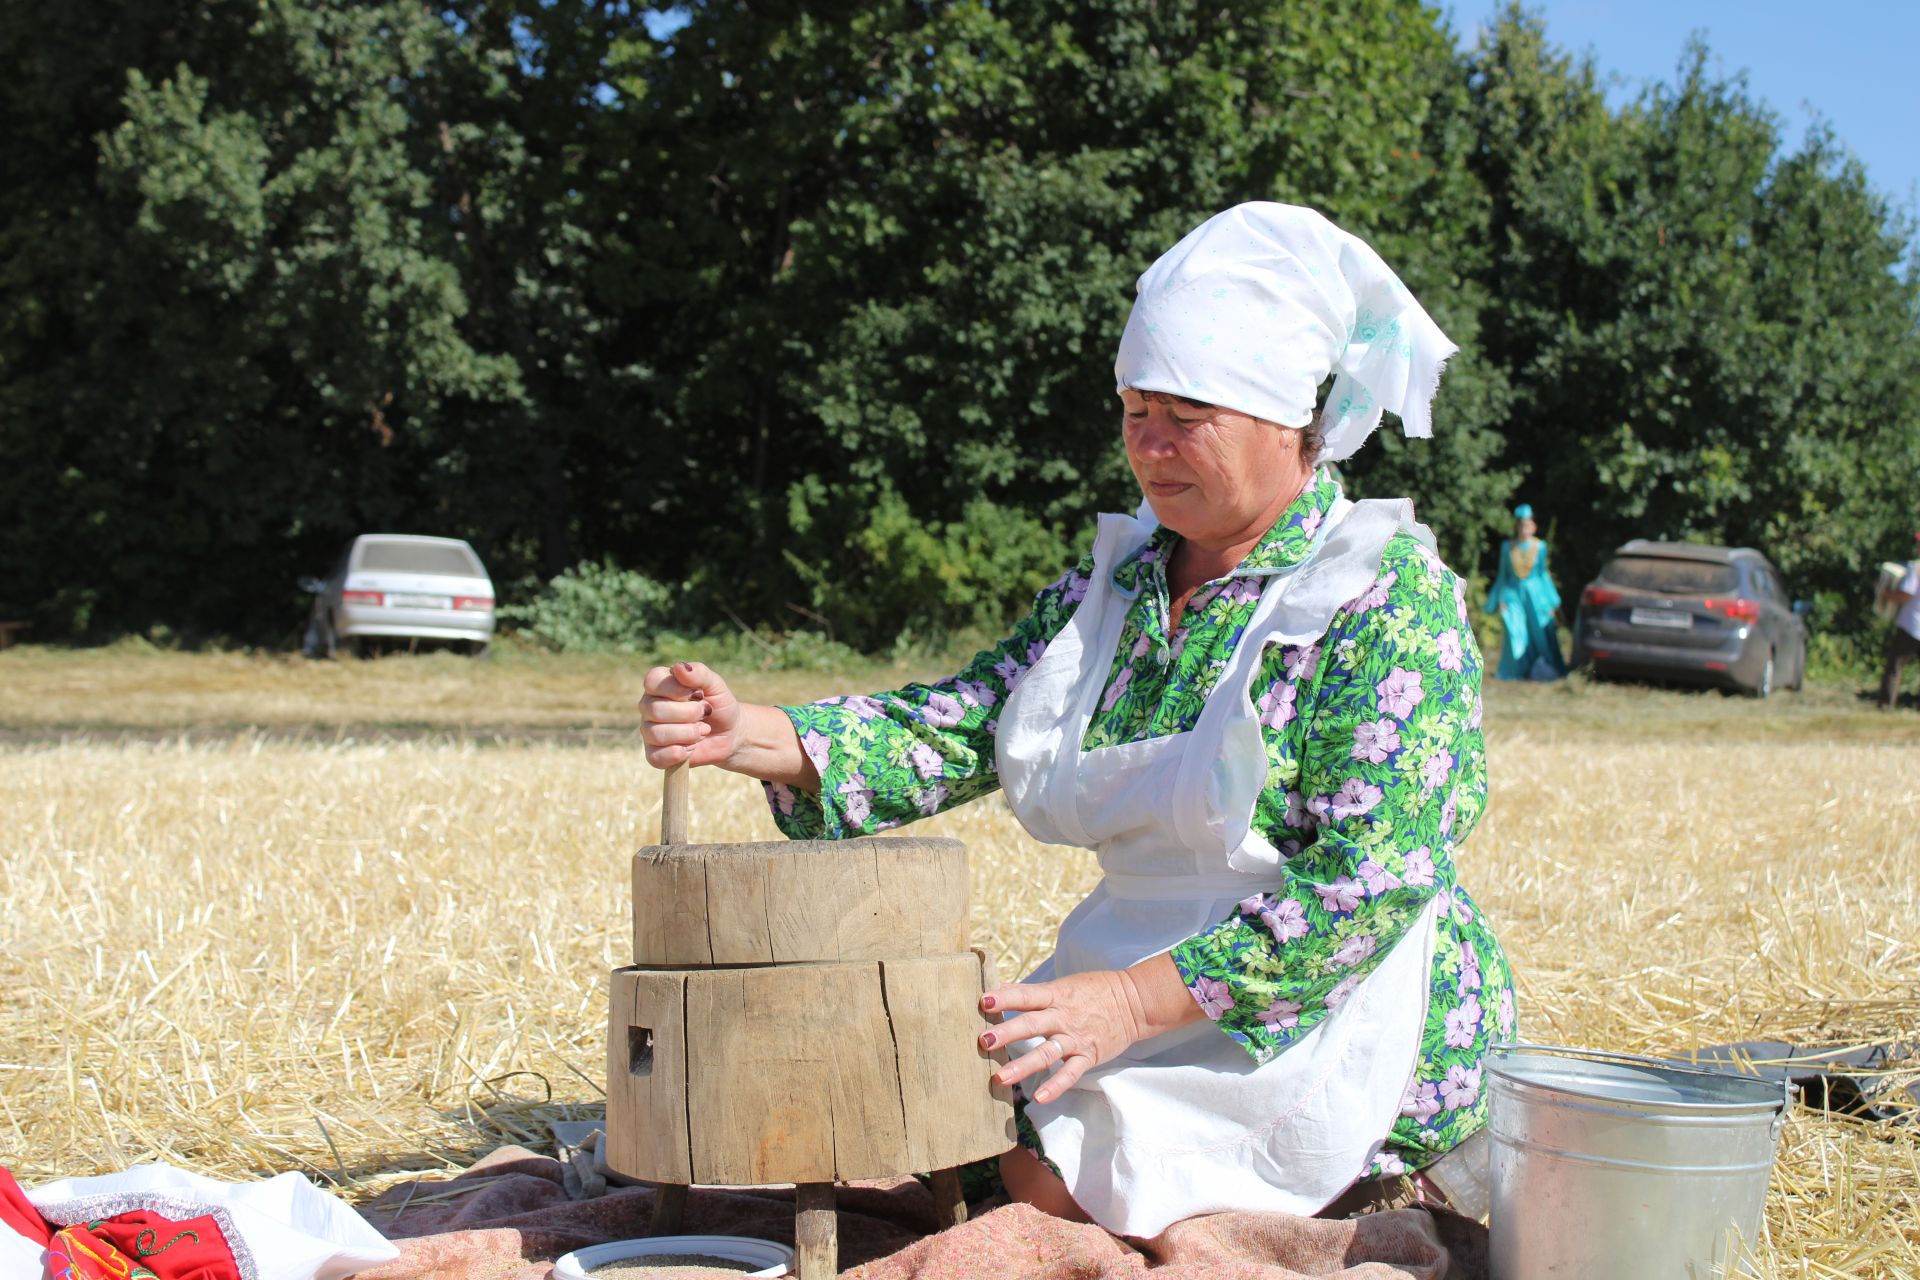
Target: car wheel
{"type": "Point", "coordinates": [1764, 688]}
{"type": "Point", "coordinates": [480, 650]}
{"type": "Point", "coordinates": [358, 647]}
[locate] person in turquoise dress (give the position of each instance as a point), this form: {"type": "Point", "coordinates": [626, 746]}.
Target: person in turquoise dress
{"type": "Point", "coordinates": [1318, 655]}
{"type": "Point", "coordinates": [1527, 603]}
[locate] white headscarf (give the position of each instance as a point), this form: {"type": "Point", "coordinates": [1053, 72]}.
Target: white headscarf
{"type": "Point", "coordinates": [1257, 305]}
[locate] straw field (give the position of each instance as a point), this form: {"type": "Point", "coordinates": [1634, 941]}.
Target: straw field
{"type": "Point", "coordinates": [371, 935]}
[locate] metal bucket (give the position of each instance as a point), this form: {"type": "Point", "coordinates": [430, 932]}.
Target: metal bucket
{"type": "Point", "coordinates": [1605, 1166]}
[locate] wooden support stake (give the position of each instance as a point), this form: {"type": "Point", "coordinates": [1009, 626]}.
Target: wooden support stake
{"type": "Point", "coordinates": [669, 1209]}
{"type": "Point", "coordinates": [816, 1232]}
{"type": "Point", "coordinates": [949, 1203]}
{"type": "Point", "coordinates": [670, 1198]}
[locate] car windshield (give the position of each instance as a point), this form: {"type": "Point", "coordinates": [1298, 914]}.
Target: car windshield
{"type": "Point", "coordinates": [1672, 576]}
{"type": "Point", "coordinates": [419, 557]}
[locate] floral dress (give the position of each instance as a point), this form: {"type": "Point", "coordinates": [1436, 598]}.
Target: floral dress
{"type": "Point", "coordinates": [1376, 774]}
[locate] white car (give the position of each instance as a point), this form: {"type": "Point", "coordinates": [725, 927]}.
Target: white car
{"type": "Point", "coordinates": [401, 586]}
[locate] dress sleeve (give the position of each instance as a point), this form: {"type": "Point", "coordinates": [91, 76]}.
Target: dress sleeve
{"type": "Point", "coordinates": [888, 758]}
{"type": "Point", "coordinates": [1502, 579]}
{"type": "Point", "coordinates": [1391, 778]}
{"type": "Point", "coordinates": [1549, 593]}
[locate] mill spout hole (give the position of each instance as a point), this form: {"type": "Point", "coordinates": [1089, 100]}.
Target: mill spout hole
{"type": "Point", "coordinates": [640, 1051]}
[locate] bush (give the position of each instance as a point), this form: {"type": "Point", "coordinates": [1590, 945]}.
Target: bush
{"type": "Point", "coordinates": [595, 607]}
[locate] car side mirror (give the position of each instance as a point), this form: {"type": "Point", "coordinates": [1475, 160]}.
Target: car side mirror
{"type": "Point", "coordinates": [312, 586]}
{"type": "Point", "coordinates": [1804, 608]}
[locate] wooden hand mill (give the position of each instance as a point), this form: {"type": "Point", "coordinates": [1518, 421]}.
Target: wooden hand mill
{"type": "Point", "coordinates": [799, 1011]}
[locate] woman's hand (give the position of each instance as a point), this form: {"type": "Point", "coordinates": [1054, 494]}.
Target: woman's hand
{"type": "Point", "coordinates": [688, 716]}
{"type": "Point", "coordinates": [1086, 1019]}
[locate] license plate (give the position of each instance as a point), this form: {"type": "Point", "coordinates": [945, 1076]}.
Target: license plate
{"type": "Point", "coordinates": [1661, 618]}
{"type": "Point", "coordinates": [398, 600]}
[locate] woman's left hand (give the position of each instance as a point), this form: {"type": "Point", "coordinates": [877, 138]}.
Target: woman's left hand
{"type": "Point", "coordinates": [1086, 1019]}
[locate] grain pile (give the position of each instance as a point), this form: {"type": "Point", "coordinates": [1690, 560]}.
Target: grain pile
{"type": "Point", "coordinates": [361, 959]}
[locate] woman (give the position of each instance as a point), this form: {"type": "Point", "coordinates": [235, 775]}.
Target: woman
{"type": "Point", "coordinates": [1526, 602]}
{"type": "Point", "coordinates": [1259, 703]}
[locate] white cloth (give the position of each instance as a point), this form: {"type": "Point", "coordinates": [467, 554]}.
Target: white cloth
{"type": "Point", "coordinates": [282, 1229]}
{"type": "Point", "coordinates": [1187, 1123]}
{"type": "Point", "coordinates": [20, 1258]}
{"type": "Point", "coordinates": [1257, 305]}
{"type": "Point", "coordinates": [1908, 619]}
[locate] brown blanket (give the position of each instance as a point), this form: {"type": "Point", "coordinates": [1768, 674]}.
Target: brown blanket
{"type": "Point", "coordinates": [509, 1216]}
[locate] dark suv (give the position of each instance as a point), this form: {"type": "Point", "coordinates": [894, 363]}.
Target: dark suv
{"type": "Point", "coordinates": [1704, 615]}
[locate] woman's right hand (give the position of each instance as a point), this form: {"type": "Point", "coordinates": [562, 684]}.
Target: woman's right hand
{"type": "Point", "coordinates": [688, 716]}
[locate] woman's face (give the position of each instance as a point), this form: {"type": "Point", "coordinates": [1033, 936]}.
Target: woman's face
{"type": "Point", "coordinates": [1524, 529]}
{"type": "Point", "coordinates": [1211, 474]}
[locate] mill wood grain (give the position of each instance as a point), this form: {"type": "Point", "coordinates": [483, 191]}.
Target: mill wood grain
{"type": "Point", "coordinates": [799, 901]}
{"type": "Point", "coordinates": [804, 1073]}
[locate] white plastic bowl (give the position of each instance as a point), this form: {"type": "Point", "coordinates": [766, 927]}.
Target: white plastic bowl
{"type": "Point", "coordinates": [773, 1259]}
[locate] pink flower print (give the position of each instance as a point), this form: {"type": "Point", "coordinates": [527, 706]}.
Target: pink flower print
{"type": "Point", "coordinates": [1297, 814]}
{"type": "Point", "coordinates": [1463, 1023]}
{"type": "Point", "coordinates": [1251, 907]}
{"type": "Point", "coordinates": [818, 747]}
{"type": "Point", "coordinates": [1311, 525]}
{"type": "Point", "coordinates": [1343, 895]}
{"type": "Point", "coordinates": [1473, 719]}
{"type": "Point", "coordinates": [1240, 591]}
{"type": "Point", "coordinates": [1010, 669]}
{"type": "Point", "coordinates": [1141, 645]}
{"type": "Point", "coordinates": [1422, 1101]}
{"type": "Point", "coordinates": [1375, 742]}
{"type": "Point", "coordinates": [1503, 1014]}
{"type": "Point", "coordinates": [1400, 692]}
{"type": "Point", "coordinates": [1447, 811]}
{"type": "Point", "coordinates": [1376, 595]}
{"type": "Point", "coordinates": [856, 799]}
{"type": "Point", "coordinates": [1280, 1015]}
{"type": "Point", "coordinates": [1461, 1087]}
{"type": "Point", "coordinates": [1077, 584]}
{"type": "Point", "coordinates": [932, 798]}
{"type": "Point", "coordinates": [977, 693]}
{"type": "Point", "coordinates": [1341, 990]}
{"type": "Point", "coordinates": [1435, 770]}
{"type": "Point", "coordinates": [1356, 949]}
{"type": "Point", "coordinates": [926, 761]}
{"type": "Point", "coordinates": [1452, 656]}
{"type": "Point", "coordinates": [781, 797]}
{"type": "Point", "coordinates": [943, 710]}
{"type": "Point", "coordinates": [866, 708]}
{"type": "Point", "coordinates": [1420, 867]}
{"type": "Point", "coordinates": [1117, 690]}
{"type": "Point", "coordinates": [1386, 1164]}
{"type": "Point", "coordinates": [1179, 644]}
{"type": "Point", "coordinates": [1377, 878]}
{"type": "Point", "coordinates": [1277, 705]}
{"type": "Point", "coordinates": [1285, 919]}
{"type": "Point", "coordinates": [1460, 602]}
{"type": "Point", "coordinates": [1301, 662]}
{"type": "Point", "coordinates": [1469, 968]}
{"type": "Point", "coordinates": [1317, 809]}
{"type": "Point", "coordinates": [1215, 997]}
{"type": "Point", "coordinates": [1036, 650]}
{"type": "Point", "coordinates": [1451, 901]}
{"type": "Point", "coordinates": [1354, 799]}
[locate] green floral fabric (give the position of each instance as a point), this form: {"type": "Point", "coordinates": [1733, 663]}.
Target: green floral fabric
{"type": "Point", "coordinates": [1376, 773]}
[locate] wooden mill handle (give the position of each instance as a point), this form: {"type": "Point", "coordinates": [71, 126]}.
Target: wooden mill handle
{"type": "Point", "coordinates": [673, 806]}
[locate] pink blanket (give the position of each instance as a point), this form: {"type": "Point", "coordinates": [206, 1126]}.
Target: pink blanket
{"type": "Point", "coordinates": [508, 1217]}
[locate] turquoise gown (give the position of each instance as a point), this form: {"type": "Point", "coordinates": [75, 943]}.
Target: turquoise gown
{"type": "Point", "coordinates": [1525, 602]}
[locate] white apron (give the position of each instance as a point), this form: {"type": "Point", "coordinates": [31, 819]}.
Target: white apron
{"type": "Point", "coordinates": [1186, 1123]}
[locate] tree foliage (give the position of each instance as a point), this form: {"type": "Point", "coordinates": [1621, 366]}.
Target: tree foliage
{"type": "Point", "coordinates": [811, 308]}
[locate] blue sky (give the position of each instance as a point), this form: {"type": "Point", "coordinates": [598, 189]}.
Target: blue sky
{"type": "Point", "coordinates": [1854, 62]}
